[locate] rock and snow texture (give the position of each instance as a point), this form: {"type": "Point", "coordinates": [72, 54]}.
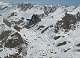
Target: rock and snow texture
{"type": "Point", "coordinates": [36, 31]}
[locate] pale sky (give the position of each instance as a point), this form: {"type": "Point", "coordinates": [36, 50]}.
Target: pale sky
{"type": "Point", "coordinates": [64, 2]}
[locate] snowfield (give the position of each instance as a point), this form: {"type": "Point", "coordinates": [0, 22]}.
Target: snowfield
{"type": "Point", "coordinates": [39, 31]}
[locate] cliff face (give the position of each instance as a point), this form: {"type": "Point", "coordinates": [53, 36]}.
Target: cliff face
{"type": "Point", "coordinates": [35, 31]}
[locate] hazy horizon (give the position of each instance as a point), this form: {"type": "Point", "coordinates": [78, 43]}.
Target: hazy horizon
{"type": "Point", "coordinates": [54, 2]}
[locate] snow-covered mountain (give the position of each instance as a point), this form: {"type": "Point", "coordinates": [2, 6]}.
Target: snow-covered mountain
{"type": "Point", "coordinates": [37, 31]}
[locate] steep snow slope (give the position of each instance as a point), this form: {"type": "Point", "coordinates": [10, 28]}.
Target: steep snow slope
{"type": "Point", "coordinates": [34, 31]}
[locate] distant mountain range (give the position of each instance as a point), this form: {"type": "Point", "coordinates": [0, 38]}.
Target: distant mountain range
{"type": "Point", "coordinates": [54, 2]}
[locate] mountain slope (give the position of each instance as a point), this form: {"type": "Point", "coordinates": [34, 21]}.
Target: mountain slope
{"type": "Point", "coordinates": [35, 31]}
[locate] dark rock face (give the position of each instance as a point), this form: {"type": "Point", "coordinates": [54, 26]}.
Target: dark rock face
{"type": "Point", "coordinates": [78, 16]}
{"type": "Point", "coordinates": [57, 37]}
{"type": "Point", "coordinates": [3, 37]}
{"type": "Point", "coordinates": [48, 10]}
{"type": "Point", "coordinates": [78, 45]}
{"type": "Point", "coordinates": [7, 23]}
{"type": "Point", "coordinates": [42, 15]}
{"type": "Point", "coordinates": [68, 22]}
{"type": "Point", "coordinates": [66, 50]}
{"type": "Point", "coordinates": [61, 44]}
{"type": "Point", "coordinates": [40, 27]}
{"type": "Point", "coordinates": [14, 41]}
{"type": "Point", "coordinates": [12, 14]}
{"type": "Point", "coordinates": [44, 30]}
{"type": "Point", "coordinates": [24, 7]}
{"type": "Point", "coordinates": [14, 56]}
{"type": "Point", "coordinates": [17, 28]}
{"type": "Point", "coordinates": [33, 21]}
